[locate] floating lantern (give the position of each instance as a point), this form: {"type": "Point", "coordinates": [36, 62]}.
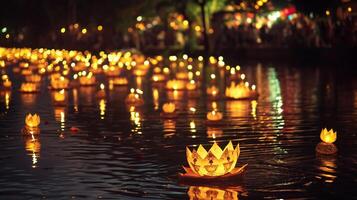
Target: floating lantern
{"type": "Point", "coordinates": [88, 80]}
{"type": "Point", "coordinates": [191, 85]}
{"type": "Point", "coordinates": [212, 164]}
{"type": "Point", "coordinates": [32, 121]}
{"type": "Point", "coordinates": [212, 91]}
{"type": "Point", "coordinates": [28, 87]}
{"type": "Point", "coordinates": [214, 116]}
{"type": "Point", "coordinates": [6, 81]}
{"type": "Point", "coordinates": [59, 96]}
{"type": "Point", "coordinates": [327, 146]}
{"type": "Point", "coordinates": [175, 85]}
{"type": "Point", "coordinates": [59, 82]}
{"type": "Point", "coordinates": [158, 77]}
{"type": "Point", "coordinates": [134, 98]}
{"type": "Point", "coordinates": [328, 136]}
{"type": "Point", "coordinates": [169, 107]}
{"type": "Point", "coordinates": [240, 91]}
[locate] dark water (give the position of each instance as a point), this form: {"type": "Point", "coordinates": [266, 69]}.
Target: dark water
{"type": "Point", "coordinates": [118, 154]}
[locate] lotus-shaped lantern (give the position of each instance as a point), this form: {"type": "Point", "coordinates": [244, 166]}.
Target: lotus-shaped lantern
{"type": "Point", "coordinates": [213, 163]}
{"type": "Point", "coordinates": [59, 96]}
{"type": "Point", "coordinates": [240, 91]}
{"type": "Point", "coordinates": [88, 80]}
{"type": "Point", "coordinates": [28, 87]}
{"type": "Point", "coordinates": [59, 82]}
{"type": "Point", "coordinates": [134, 98]}
{"type": "Point", "coordinates": [328, 136]}
{"type": "Point", "coordinates": [168, 107]}
{"type": "Point", "coordinates": [32, 121]}
{"type": "Point", "coordinates": [175, 85]}
{"type": "Point", "coordinates": [327, 146]}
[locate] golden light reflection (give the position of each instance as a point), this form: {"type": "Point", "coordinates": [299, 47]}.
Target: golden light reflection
{"type": "Point", "coordinates": [193, 126]}
{"type": "Point", "coordinates": [214, 132]}
{"type": "Point", "coordinates": [254, 104]}
{"type": "Point", "coordinates": [135, 118]}
{"type": "Point", "coordinates": [210, 193]}
{"type": "Point", "coordinates": [60, 116]}
{"type": "Point", "coordinates": [327, 167]}
{"type": "Point", "coordinates": [169, 127]}
{"type": "Point", "coordinates": [155, 96]}
{"type": "Point", "coordinates": [102, 106]}
{"type": "Point", "coordinates": [33, 147]}
{"type": "Point", "coordinates": [28, 99]}
{"type": "Point", "coordinates": [75, 99]}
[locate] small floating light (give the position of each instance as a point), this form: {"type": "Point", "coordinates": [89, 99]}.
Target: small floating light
{"type": "Point", "coordinates": [169, 107]}
{"type": "Point", "coordinates": [328, 136]}
{"type": "Point", "coordinates": [32, 121]}
{"type": "Point", "coordinates": [214, 116]}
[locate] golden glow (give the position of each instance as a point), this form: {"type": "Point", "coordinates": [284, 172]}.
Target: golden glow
{"type": "Point", "coordinates": [215, 162]}
{"type": "Point", "coordinates": [63, 30]}
{"type": "Point", "coordinates": [169, 107]}
{"type": "Point", "coordinates": [102, 106]}
{"type": "Point", "coordinates": [100, 28]}
{"type": "Point", "coordinates": [84, 30]}
{"type": "Point", "coordinates": [33, 146]}
{"type": "Point", "coordinates": [239, 91]}
{"type": "Point", "coordinates": [175, 84]}
{"type": "Point", "coordinates": [214, 116]}
{"type": "Point", "coordinates": [328, 136]}
{"type": "Point", "coordinates": [28, 87]}
{"type": "Point", "coordinates": [32, 121]}
{"type": "Point", "coordinates": [155, 96]}
{"type": "Point", "coordinates": [59, 96]}
{"type": "Point", "coordinates": [210, 193]}
{"type": "Point", "coordinates": [327, 12]}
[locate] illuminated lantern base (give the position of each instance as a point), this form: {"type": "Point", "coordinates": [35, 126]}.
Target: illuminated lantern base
{"type": "Point", "coordinates": [192, 177]}
{"type": "Point", "coordinates": [326, 148]}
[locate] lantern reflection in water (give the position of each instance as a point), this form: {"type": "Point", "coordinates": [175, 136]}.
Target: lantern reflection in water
{"type": "Point", "coordinates": [60, 116]}
{"type": "Point", "coordinates": [155, 96]}
{"type": "Point", "coordinates": [135, 118]}
{"type": "Point", "coordinates": [28, 99]}
{"type": "Point", "coordinates": [5, 98]}
{"type": "Point", "coordinates": [210, 193]}
{"type": "Point", "coordinates": [214, 132]}
{"type": "Point", "coordinates": [102, 107]}
{"type": "Point", "coordinates": [33, 146]}
{"type": "Point", "coordinates": [169, 128]}
{"type": "Point", "coordinates": [327, 167]}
